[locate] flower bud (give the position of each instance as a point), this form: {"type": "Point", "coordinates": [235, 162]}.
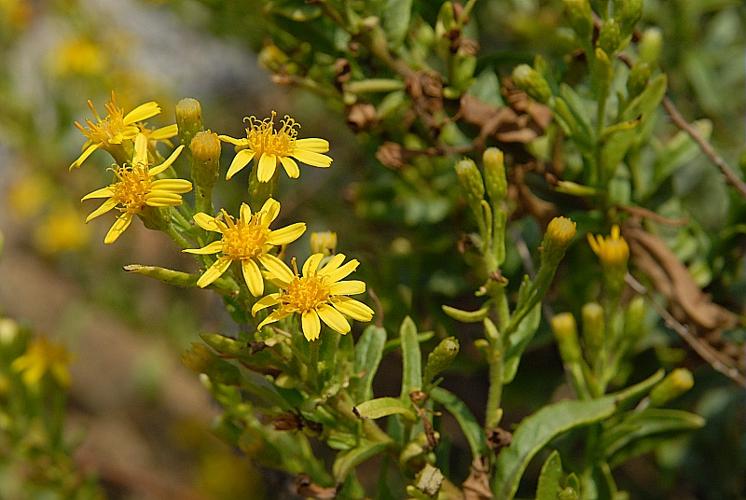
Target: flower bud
{"type": "Point", "coordinates": [471, 180]}
{"type": "Point", "coordinates": [188, 119]}
{"type": "Point", "coordinates": [494, 174]}
{"type": "Point", "coordinates": [581, 18]}
{"type": "Point", "coordinates": [674, 385]}
{"type": "Point", "coordinates": [627, 13]}
{"type": "Point", "coordinates": [638, 78]}
{"type": "Point", "coordinates": [566, 332]}
{"type": "Point", "coordinates": [610, 36]}
{"type": "Point", "coordinates": [205, 148]}
{"type": "Point", "coordinates": [272, 58]}
{"type": "Point", "coordinates": [602, 69]}
{"type": "Point", "coordinates": [634, 319]}
{"type": "Point", "coordinates": [558, 236]}
{"type": "Point", "coordinates": [198, 357]}
{"type": "Point", "coordinates": [594, 329]}
{"type": "Point", "coordinates": [440, 358]}
{"type": "Point", "coordinates": [531, 82]}
{"type": "Point", "coordinates": [650, 46]}
{"type": "Point", "coordinates": [324, 242]}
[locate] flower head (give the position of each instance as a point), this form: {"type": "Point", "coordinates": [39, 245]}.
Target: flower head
{"type": "Point", "coordinates": [612, 250]}
{"type": "Point", "coordinates": [269, 146]}
{"type": "Point", "coordinates": [136, 188]}
{"type": "Point", "coordinates": [324, 242]}
{"type": "Point", "coordinates": [43, 356]}
{"type": "Point", "coordinates": [247, 240]}
{"type": "Point", "coordinates": [117, 127]}
{"type": "Point", "coordinates": [316, 295]}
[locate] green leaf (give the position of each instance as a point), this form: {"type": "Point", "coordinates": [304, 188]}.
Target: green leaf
{"type": "Point", "coordinates": [537, 430]}
{"type": "Point", "coordinates": [348, 460]}
{"type": "Point", "coordinates": [473, 432]}
{"type": "Point", "coordinates": [466, 316]}
{"type": "Point", "coordinates": [368, 354]}
{"type": "Point", "coordinates": [395, 343]}
{"type": "Point", "coordinates": [642, 431]}
{"type": "Point", "coordinates": [411, 359]}
{"type": "Point", "coordinates": [549, 478]}
{"type": "Point", "coordinates": [396, 21]}
{"type": "Point", "coordinates": [518, 341]}
{"type": "Point", "coordinates": [632, 394]}
{"type": "Point", "coordinates": [648, 101]}
{"type": "Point", "coordinates": [383, 407]}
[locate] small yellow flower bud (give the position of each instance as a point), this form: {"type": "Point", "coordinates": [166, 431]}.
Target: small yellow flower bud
{"type": "Point", "coordinates": [324, 242]}
{"type": "Point", "coordinates": [494, 174]}
{"type": "Point", "coordinates": [205, 148]}
{"type": "Point", "coordinates": [471, 180]}
{"type": "Point", "coordinates": [651, 45]}
{"type": "Point", "coordinates": [594, 329]}
{"type": "Point", "coordinates": [613, 250]}
{"type": "Point", "coordinates": [634, 318]}
{"type": "Point", "coordinates": [188, 119]}
{"type": "Point", "coordinates": [560, 231]}
{"type": "Point", "coordinates": [531, 82]}
{"type": "Point", "coordinates": [674, 385]}
{"type": "Point", "coordinates": [272, 58]}
{"type": "Point", "coordinates": [566, 332]}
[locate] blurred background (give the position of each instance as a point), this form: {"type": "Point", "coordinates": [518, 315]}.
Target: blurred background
{"type": "Point", "coordinates": [138, 420]}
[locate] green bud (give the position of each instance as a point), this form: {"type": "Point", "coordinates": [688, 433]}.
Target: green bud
{"type": "Point", "coordinates": [272, 58]}
{"type": "Point", "coordinates": [471, 180]}
{"type": "Point", "coordinates": [223, 344]}
{"type": "Point", "coordinates": [198, 357]}
{"type": "Point", "coordinates": [602, 69]}
{"type": "Point", "coordinates": [634, 319]}
{"type": "Point", "coordinates": [531, 82]}
{"type": "Point", "coordinates": [446, 20]}
{"type": "Point", "coordinates": [557, 238]}
{"type": "Point", "coordinates": [610, 37]}
{"type": "Point", "coordinates": [463, 71]}
{"type": "Point", "coordinates": [566, 332]}
{"type": "Point", "coordinates": [205, 148]}
{"type": "Point", "coordinates": [594, 329]}
{"type": "Point", "coordinates": [627, 13]}
{"type": "Point", "coordinates": [674, 385]}
{"type": "Point", "coordinates": [581, 18]}
{"type": "Point", "coordinates": [494, 175]}
{"type": "Point", "coordinates": [651, 45]}
{"type": "Point", "coordinates": [440, 358]}
{"type": "Point", "coordinates": [638, 78]}
{"type": "Point", "coordinates": [466, 316]}
{"type": "Point", "coordinates": [188, 119]}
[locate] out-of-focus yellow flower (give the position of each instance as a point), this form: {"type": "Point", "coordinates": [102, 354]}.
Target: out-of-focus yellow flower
{"type": "Point", "coordinates": [79, 56]}
{"type": "Point", "coordinates": [247, 240]}
{"type": "Point", "coordinates": [270, 146]}
{"type": "Point", "coordinates": [612, 250]}
{"type": "Point", "coordinates": [61, 231]}
{"type": "Point", "coordinates": [27, 196]}
{"type": "Point", "coordinates": [324, 242]}
{"type": "Point", "coordinates": [43, 356]}
{"type": "Point", "coordinates": [316, 295]}
{"type": "Point", "coordinates": [116, 127]}
{"type": "Point", "coordinates": [137, 188]}
{"type": "Point", "coordinates": [16, 13]}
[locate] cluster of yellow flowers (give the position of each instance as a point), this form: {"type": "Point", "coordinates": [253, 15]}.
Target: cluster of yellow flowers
{"type": "Point", "coordinates": [318, 293]}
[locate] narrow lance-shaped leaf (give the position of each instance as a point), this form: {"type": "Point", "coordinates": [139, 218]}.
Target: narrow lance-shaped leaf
{"type": "Point", "coordinates": [411, 359]}
{"type": "Point", "coordinates": [550, 478]}
{"type": "Point", "coordinates": [346, 461]}
{"type": "Point", "coordinates": [396, 21]}
{"type": "Point", "coordinates": [383, 407]}
{"type": "Point", "coordinates": [368, 354]}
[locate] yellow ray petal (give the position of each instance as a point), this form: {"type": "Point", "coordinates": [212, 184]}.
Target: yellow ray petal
{"type": "Point", "coordinates": [172, 185]}
{"type": "Point", "coordinates": [245, 212]}
{"type": "Point", "coordinates": [214, 272]}
{"type": "Point", "coordinates": [274, 316]}
{"type": "Point", "coordinates": [267, 167]}
{"type": "Point", "coordinates": [236, 142]}
{"type": "Point", "coordinates": [120, 225]}
{"type": "Point", "coordinates": [169, 161]}
{"type": "Point", "coordinates": [271, 210]}
{"type": "Point", "coordinates": [266, 301]}
{"type": "Point", "coordinates": [342, 271]}
{"type": "Point", "coordinates": [353, 308]}
{"type": "Point", "coordinates": [287, 234]}
{"type": "Point", "coordinates": [312, 158]}
{"type": "Point", "coordinates": [312, 144]}
{"type": "Point", "coordinates": [163, 199]}
{"type": "Point", "coordinates": [291, 168]}
{"type": "Point", "coordinates": [253, 277]}
{"type": "Point", "coordinates": [311, 325]}
{"type": "Point", "coordinates": [142, 112]}
{"type": "Point", "coordinates": [164, 133]}
{"type": "Point", "coordinates": [277, 268]}
{"type": "Point", "coordinates": [214, 247]}
{"type": "Point", "coordinates": [84, 155]}
{"type": "Point", "coordinates": [312, 264]}
{"type": "Point", "coordinates": [104, 192]}
{"type": "Point", "coordinates": [105, 207]}
{"type": "Point", "coordinates": [333, 264]}
{"type": "Point", "coordinates": [141, 150]}
{"type": "Point", "coordinates": [333, 318]}
{"type": "Point", "coordinates": [206, 222]}
{"type": "Point", "coordinates": [352, 287]}
{"type": "Point", "coordinates": [241, 159]}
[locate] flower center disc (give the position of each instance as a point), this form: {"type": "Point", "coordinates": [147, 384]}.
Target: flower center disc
{"type": "Point", "coordinates": [134, 183]}
{"type": "Point", "coordinates": [263, 139]}
{"type": "Point", "coordinates": [306, 293]}
{"type": "Point", "coordinates": [244, 240]}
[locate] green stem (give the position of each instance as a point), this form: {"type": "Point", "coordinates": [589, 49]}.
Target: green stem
{"type": "Point", "coordinates": [492, 413]}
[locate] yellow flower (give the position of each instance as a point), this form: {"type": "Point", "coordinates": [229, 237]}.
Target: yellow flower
{"type": "Point", "coordinates": [61, 231]}
{"type": "Point", "coordinates": [269, 146]}
{"type": "Point", "coordinates": [117, 127]}
{"type": "Point", "coordinates": [613, 250]}
{"type": "Point", "coordinates": [137, 188]}
{"type": "Point", "coordinates": [323, 242]}
{"type": "Point", "coordinates": [43, 356]}
{"type": "Point", "coordinates": [79, 56]}
{"type": "Point", "coordinates": [316, 295]}
{"type": "Point", "coordinates": [247, 240]}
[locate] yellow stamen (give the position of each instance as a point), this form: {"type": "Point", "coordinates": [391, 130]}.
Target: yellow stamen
{"type": "Point", "coordinates": [264, 139]}
{"type": "Point", "coordinates": [306, 293]}
{"type": "Point", "coordinates": [133, 186]}
{"type": "Point", "coordinates": [243, 239]}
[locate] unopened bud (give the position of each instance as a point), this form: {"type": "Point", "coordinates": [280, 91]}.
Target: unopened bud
{"type": "Point", "coordinates": [634, 319]}
{"type": "Point", "coordinates": [566, 332]}
{"type": "Point", "coordinates": [471, 180]}
{"type": "Point", "coordinates": [594, 329]}
{"type": "Point", "coordinates": [651, 45]}
{"type": "Point", "coordinates": [638, 78]}
{"type": "Point", "coordinates": [610, 36]}
{"type": "Point", "coordinates": [223, 344]}
{"type": "Point", "coordinates": [198, 357]}
{"type": "Point", "coordinates": [205, 148]}
{"type": "Point", "coordinates": [531, 82]}
{"type": "Point", "coordinates": [441, 358]}
{"type": "Point", "coordinates": [603, 69]}
{"type": "Point", "coordinates": [581, 18]}
{"type": "Point", "coordinates": [494, 174]}
{"type": "Point", "coordinates": [674, 385]}
{"type": "Point", "coordinates": [627, 13]}
{"type": "Point", "coordinates": [559, 234]}
{"type": "Point", "coordinates": [324, 242]}
{"type": "Point", "coordinates": [188, 119]}
{"type": "Point", "coordinates": [272, 58]}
